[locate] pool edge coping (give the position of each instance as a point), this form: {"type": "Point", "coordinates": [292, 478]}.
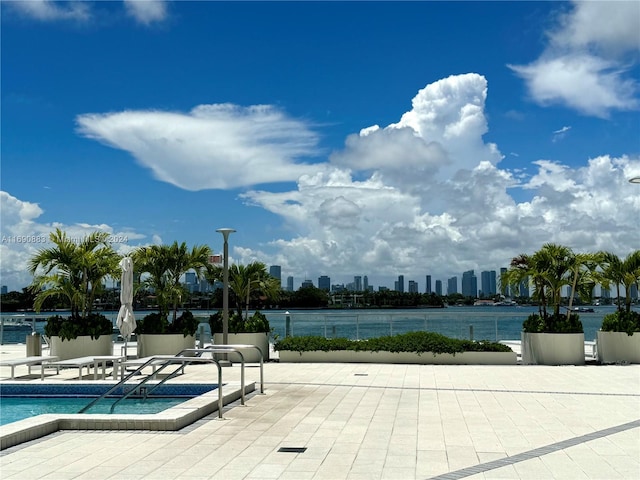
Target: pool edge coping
{"type": "Point", "coordinates": [171, 419]}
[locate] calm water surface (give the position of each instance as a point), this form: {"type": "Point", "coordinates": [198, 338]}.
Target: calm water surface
{"type": "Point", "coordinates": [483, 323]}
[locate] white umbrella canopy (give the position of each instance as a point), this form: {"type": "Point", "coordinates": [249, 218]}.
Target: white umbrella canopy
{"type": "Point", "coordinates": [126, 321]}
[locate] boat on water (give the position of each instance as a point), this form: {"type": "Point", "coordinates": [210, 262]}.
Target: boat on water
{"type": "Point", "coordinates": [18, 326]}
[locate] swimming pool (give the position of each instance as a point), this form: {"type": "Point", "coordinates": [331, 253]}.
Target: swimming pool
{"type": "Point", "coordinates": [18, 402]}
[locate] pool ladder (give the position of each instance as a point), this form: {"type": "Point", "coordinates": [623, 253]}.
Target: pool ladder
{"type": "Point", "coordinates": [181, 360]}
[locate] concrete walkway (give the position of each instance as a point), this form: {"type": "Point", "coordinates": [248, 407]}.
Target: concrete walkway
{"type": "Point", "coordinates": [369, 421]}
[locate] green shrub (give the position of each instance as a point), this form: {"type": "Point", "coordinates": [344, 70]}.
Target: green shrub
{"type": "Point", "coordinates": [152, 323]}
{"type": "Point", "coordinates": [417, 342]}
{"type": "Point", "coordinates": [256, 323]}
{"type": "Point", "coordinates": [621, 321]}
{"type": "Point", "coordinates": [552, 324]}
{"type": "Point", "coordinates": [155, 323]}
{"type": "Point", "coordinates": [186, 324]}
{"type": "Point", "coordinates": [93, 325]}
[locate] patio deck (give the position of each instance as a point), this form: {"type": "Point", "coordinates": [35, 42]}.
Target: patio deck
{"type": "Point", "coordinates": [370, 421]}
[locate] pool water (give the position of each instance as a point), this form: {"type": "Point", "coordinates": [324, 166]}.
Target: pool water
{"type": "Point", "coordinates": [13, 409]}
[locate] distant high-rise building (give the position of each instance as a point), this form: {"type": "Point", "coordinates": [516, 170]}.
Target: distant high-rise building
{"type": "Point", "coordinates": [400, 284]}
{"type": "Point", "coordinates": [190, 278]}
{"type": "Point", "coordinates": [469, 284]}
{"type": "Point", "coordinates": [524, 288]}
{"type": "Point", "coordinates": [276, 272]}
{"type": "Point", "coordinates": [605, 292]}
{"type": "Point", "coordinates": [452, 285]}
{"type": "Point", "coordinates": [427, 289]}
{"type": "Point", "coordinates": [413, 286]}
{"type": "Point", "coordinates": [634, 292]}
{"type": "Point", "coordinates": [365, 283]}
{"type": "Point", "coordinates": [357, 283]}
{"type": "Point", "coordinates": [504, 289]}
{"type": "Point", "coordinates": [488, 279]}
{"type": "Point", "coordinates": [324, 283]}
{"type": "Point", "coordinates": [439, 287]}
{"type": "Point", "coordinates": [307, 283]}
{"type": "Point", "coordinates": [289, 284]}
{"type": "Point", "coordinates": [4, 289]}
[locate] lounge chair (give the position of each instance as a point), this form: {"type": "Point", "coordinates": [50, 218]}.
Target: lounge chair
{"type": "Point", "coordinates": [88, 362]}
{"type": "Point", "coordinates": [28, 361]}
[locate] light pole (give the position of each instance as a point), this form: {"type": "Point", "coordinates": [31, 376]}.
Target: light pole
{"type": "Point", "coordinates": [225, 288]}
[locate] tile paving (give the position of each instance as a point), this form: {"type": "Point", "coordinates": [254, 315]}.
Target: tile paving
{"type": "Point", "coordinates": [370, 421]}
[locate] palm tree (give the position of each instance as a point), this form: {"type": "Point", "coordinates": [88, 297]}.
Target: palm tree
{"type": "Point", "coordinates": [72, 269]}
{"type": "Point", "coordinates": [585, 276]}
{"type": "Point", "coordinates": [246, 281]}
{"type": "Point", "coordinates": [165, 266]}
{"type": "Point", "coordinates": [555, 263]}
{"type": "Point", "coordinates": [549, 269]}
{"type": "Point", "coordinates": [522, 270]}
{"type": "Point", "coordinates": [621, 272]}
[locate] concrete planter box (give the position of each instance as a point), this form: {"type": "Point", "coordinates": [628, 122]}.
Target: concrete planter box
{"type": "Point", "coordinates": [618, 347]}
{"type": "Point", "coordinates": [426, 358]}
{"type": "Point", "coordinates": [552, 348]}
{"type": "Point", "coordinates": [251, 355]}
{"type": "Point", "coordinates": [83, 346]}
{"type": "Point", "coordinates": [150, 344]}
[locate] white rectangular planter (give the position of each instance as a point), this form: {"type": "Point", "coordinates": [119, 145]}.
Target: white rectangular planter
{"type": "Point", "coordinates": [251, 355]}
{"type": "Point", "coordinates": [163, 344]}
{"type": "Point", "coordinates": [552, 348]}
{"type": "Point", "coordinates": [426, 358]}
{"type": "Point", "coordinates": [618, 347]}
{"type": "Point", "coordinates": [83, 346]}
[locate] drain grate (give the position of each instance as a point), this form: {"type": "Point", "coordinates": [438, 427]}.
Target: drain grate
{"type": "Point", "coordinates": [292, 449]}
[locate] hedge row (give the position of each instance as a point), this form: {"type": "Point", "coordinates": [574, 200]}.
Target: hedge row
{"type": "Point", "coordinates": [418, 342]}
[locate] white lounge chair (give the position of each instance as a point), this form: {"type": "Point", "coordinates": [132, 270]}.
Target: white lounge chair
{"type": "Point", "coordinates": [28, 361]}
{"type": "Point", "coordinates": [88, 362]}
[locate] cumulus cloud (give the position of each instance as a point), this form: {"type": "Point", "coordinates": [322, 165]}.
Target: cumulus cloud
{"type": "Point", "coordinates": [586, 62]}
{"type": "Point", "coordinates": [423, 195]}
{"type": "Point", "coordinates": [439, 135]}
{"type": "Point", "coordinates": [213, 146]}
{"type": "Point", "coordinates": [369, 213]}
{"type": "Point", "coordinates": [146, 11]}
{"type": "Point", "coordinates": [23, 235]}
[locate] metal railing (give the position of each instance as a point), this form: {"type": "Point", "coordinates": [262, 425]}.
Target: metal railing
{"type": "Point", "coordinates": [181, 360]}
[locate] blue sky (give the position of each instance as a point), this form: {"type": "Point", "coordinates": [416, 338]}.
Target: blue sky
{"type": "Point", "coordinates": [337, 138]}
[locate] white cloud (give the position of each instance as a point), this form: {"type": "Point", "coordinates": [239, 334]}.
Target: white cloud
{"type": "Point", "coordinates": [414, 222]}
{"type": "Point", "coordinates": [440, 134]}
{"type": "Point", "coordinates": [447, 209]}
{"type": "Point", "coordinates": [586, 62]}
{"type": "Point", "coordinates": [560, 134]}
{"type": "Point", "coordinates": [23, 235]}
{"type": "Point", "coordinates": [608, 28]}
{"type": "Point", "coordinates": [146, 11]}
{"type": "Point", "coordinates": [586, 83]}
{"type": "Point", "coordinates": [213, 146]}
{"type": "Point", "coordinates": [48, 10]}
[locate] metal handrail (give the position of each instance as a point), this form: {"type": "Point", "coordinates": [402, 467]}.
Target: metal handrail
{"type": "Point", "coordinates": [180, 358]}
{"type": "Point", "coordinates": [169, 360]}
{"type": "Point", "coordinates": [240, 345]}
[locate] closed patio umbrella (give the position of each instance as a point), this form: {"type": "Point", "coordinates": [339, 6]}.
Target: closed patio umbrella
{"type": "Point", "coordinates": [126, 321]}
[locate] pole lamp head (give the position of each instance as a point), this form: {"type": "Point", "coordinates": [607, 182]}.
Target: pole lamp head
{"type": "Point", "coordinates": [634, 180]}
{"type": "Point", "coordinates": [225, 232]}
